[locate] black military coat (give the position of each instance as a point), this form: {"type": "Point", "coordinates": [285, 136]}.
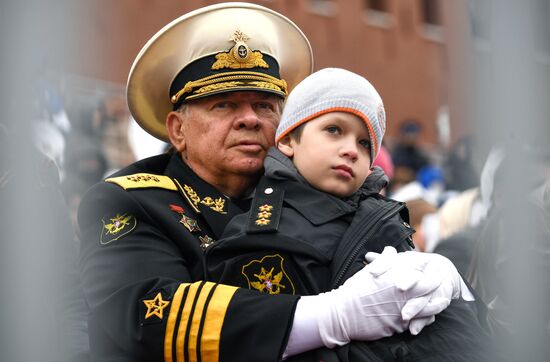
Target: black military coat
{"type": "Point", "coordinates": [144, 232]}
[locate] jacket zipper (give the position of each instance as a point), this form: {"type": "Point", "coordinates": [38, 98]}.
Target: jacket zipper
{"type": "Point", "coordinates": [364, 234]}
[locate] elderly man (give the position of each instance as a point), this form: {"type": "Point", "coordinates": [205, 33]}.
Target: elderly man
{"type": "Point", "coordinates": [212, 82]}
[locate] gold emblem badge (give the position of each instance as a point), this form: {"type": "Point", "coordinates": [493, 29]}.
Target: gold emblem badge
{"type": "Point", "coordinates": [240, 56]}
{"type": "Point", "coordinates": [268, 275]}
{"type": "Point", "coordinates": [116, 227]}
{"type": "Point", "coordinates": [155, 307]}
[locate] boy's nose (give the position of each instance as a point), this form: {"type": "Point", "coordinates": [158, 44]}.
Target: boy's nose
{"type": "Point", "coordinates": [349, 150]}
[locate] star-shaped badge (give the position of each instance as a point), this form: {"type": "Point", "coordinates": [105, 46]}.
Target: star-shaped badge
{"type": "Point", "coordinates": [155, 307]}
{"type": "Point", "coordinates": [265, 207]}
{"type": "Point", "coordinates": [190, 224]}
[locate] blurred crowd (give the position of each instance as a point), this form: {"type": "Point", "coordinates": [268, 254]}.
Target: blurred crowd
{"type": "Point", "coordinates": [89, 143]}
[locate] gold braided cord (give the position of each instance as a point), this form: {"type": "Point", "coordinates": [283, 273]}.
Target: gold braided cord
{"type": "Point", "coordinates": [228, 77]}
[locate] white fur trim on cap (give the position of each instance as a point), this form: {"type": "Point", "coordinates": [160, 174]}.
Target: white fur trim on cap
{"type": "Point", "coordinates": [335, 90]}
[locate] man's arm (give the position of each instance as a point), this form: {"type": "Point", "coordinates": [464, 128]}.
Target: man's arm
{"type": "Point", "coordinates": [146, 298]}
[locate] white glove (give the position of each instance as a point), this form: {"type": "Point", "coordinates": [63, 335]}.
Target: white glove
{"type": "Point", "coordinates": [366, 307]}
{"type": "Point", "coordinates": [436, 269]}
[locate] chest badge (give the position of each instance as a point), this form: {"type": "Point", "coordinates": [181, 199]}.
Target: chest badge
{"type": "Point", "coordinates": [268, 275]}
{"type": "Point", "coordinates": [206, 241]}
{"type": "Point", "coordinates": [190, 224]}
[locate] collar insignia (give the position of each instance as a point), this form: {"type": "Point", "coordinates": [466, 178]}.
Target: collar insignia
{"type": "Point", "coordinates": [268, 275]}
{"type": "Point", "coordinates": [217, 205]}
{"type": "Point", "coordinates": [155, 307]}
{"type": "Point", "coordinates": [240, 56]}
{"type": "Point", "coordinates": [116, 227]}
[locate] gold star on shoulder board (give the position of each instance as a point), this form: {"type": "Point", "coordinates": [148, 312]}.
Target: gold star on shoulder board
{"type": "Point", "coordinates": [155, 306]}
{"type": "Point", "coordinates": [265, 208]}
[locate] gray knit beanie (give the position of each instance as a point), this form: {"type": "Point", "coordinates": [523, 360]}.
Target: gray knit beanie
{"type": "Point", "coordinates": [335, 90]}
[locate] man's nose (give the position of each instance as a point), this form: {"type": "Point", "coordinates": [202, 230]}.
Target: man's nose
{"type": "Point", "coordinates": [247, 118]}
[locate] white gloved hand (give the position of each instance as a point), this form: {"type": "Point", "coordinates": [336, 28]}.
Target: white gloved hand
{"type": "Point", "coordinates": [367, 307]}
{"type": "Point", "coordinates": [437, 270]}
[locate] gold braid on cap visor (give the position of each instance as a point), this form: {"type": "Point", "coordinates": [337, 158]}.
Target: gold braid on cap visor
{"type": "Point", "coordinates": [217, 82]}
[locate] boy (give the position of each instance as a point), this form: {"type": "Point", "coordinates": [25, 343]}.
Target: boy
{"type": "Point", "coordinates": [318, 210]}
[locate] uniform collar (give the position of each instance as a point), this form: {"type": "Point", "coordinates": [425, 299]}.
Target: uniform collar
{"type": "Point", "coordinates": [216, 208]}
{"type": "Point", "coordinates": [316, 206]}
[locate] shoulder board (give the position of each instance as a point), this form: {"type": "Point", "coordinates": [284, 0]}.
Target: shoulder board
{"type": "Point", "coordinates": [143, 180]}
{"type": "Point", "coordinates": [266, 208]}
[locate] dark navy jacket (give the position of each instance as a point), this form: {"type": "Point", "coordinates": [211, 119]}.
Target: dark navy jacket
{"type": "Point", "coordinates": [298, 240]}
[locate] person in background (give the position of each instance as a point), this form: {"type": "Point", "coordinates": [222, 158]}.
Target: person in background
{"type": "Point", "coordinates": [385, 162]}
{"type": "Point", "coordinates": [407, 155]}
{"type": "Point", "coordinates": [418, 210]}
{"type": "Point", "coordinates": [510, 265]}
{"type": "Point", "coordinates": [45, 298]}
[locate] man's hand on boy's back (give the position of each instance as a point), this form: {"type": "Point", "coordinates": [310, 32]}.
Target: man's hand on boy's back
{"type": "Point", "coordinates": [436, 270]}
{"type": "Point", "coordinates": [394, 292]}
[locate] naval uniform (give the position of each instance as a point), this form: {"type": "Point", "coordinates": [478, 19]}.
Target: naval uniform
{"type": "Point", "coordinates": [144, 233]}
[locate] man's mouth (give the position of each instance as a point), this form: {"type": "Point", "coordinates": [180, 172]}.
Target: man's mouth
{"type": "Point", "coordinates": [249, 146]}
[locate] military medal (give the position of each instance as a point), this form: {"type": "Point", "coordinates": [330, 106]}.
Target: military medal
{"type": "Point", "coordinates": [206, 241]}
{"type": "Point", "coordinates": [190, 224]}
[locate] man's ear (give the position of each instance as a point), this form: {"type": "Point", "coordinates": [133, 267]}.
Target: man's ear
{"type": "Point", "coordinates": [176, 134]}
{"type": "Point", "coordinates": [285, 145]}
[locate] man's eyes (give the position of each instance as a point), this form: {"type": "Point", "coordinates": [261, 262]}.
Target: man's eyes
{"type": "Point", "coordinates": [265, 105]}
{"type": "Point", "coordinates": [221, 105]}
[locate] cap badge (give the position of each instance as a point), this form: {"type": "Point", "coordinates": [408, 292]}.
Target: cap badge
{"type": "Point", "coordinates": [240, 56]}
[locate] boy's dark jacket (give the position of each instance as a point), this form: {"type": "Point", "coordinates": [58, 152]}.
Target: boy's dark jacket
{"type": "Point", "coordinates": [298, 240]}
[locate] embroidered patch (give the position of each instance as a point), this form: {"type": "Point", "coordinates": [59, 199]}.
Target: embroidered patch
{"type": "Point", "coordinates": [268, 275]}
{"type": "Point", "coordinates": [190, 224]}
{"type": "Point", "coordinates": [154, 311]}
{"type": "Point", "coordinates": [116, 227]}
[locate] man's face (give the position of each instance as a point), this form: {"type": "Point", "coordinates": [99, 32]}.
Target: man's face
{"type": "Point", "coordinates": [333, 153]}
{"type": "Point", "coordinates": [229, 134]}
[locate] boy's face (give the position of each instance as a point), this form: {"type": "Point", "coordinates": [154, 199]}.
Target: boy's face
{"type": "Point", "coordinates": [333, 153]}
